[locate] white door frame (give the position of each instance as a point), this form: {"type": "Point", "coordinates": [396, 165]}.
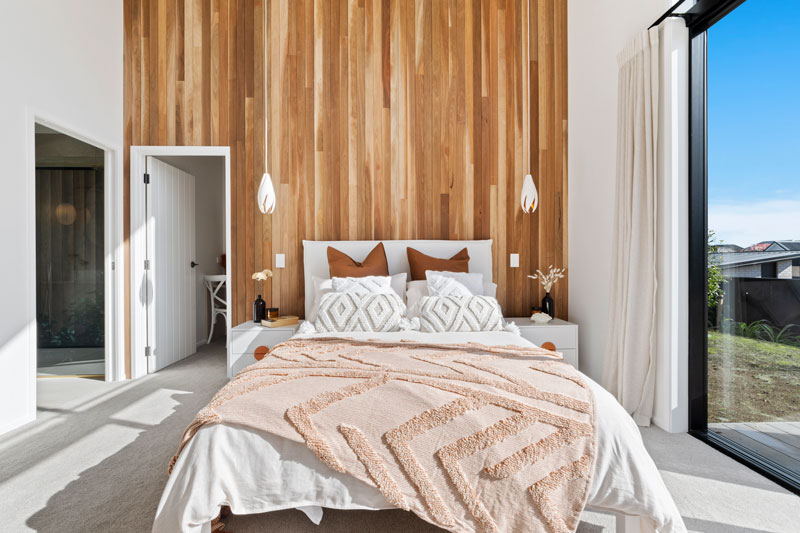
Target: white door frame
{"type": "Point", "coordinates": [138, 241]}
{"type": "Point", "coordinates": [112, 263]}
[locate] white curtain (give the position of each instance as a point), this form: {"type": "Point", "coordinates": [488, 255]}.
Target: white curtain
{"type": "Point", "coordinates": [630, 361]}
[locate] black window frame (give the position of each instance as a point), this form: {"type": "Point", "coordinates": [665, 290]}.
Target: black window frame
{"type": "Point", "coordinates": [699, 18]}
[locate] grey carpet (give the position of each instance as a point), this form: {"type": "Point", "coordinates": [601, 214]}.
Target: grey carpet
{"type": "Point", "coordinates": [95, 460]}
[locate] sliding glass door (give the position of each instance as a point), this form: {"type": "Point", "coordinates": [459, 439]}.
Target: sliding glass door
{"type": "Point", "coordinates": [745, 233]}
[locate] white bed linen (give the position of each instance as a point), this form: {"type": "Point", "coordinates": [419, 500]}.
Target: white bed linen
{"type": "Point", "coordinates": [255, 472]}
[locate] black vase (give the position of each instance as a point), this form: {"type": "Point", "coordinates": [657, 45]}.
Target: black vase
{"type": "Point", "coordinates": [259, 310]}
{"type": "Point", "coordinates": [548, 305]}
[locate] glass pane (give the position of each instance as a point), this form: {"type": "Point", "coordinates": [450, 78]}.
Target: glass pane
{"type": "Point", "coordinates": [69, 256]}
{"type": "Point", "coordinates": [754, 229]}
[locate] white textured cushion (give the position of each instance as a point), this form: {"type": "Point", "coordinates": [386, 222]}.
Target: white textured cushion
{"type": "Point", "coordinates": [472, 281]}
{"type": "Point", "coordinates": [416, 290]}
{"type": "Point", "coordinates": [325, 285]}
{"type": "Point", "coordinates": [445, 313]}
{"type": "Point", "coordinates": [363, 285]}
{"type": "Point", "coordinates": [349, 311]}
{"type": "Point", "coordinates": [447, 286]}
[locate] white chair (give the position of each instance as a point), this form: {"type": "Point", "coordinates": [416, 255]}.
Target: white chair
{"type": "Point", "coordinates": [219, 306]}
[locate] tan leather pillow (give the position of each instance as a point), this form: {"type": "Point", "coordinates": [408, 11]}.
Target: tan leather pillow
{"type": "Point", "coordinates": [342, 265]}
{"type": "Point", "coordinates": [420, 262]}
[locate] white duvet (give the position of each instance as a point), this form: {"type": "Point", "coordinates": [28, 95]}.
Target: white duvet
{"type": "Point", "coordinates": [255, 472]}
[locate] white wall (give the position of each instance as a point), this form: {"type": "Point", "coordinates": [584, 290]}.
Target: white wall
{"type": "Point", "coordinates": [596, 32]}
{"type": "Point", "coordinates": [64, 60]}
{"type": "Point", "coordinates": [209, 173]}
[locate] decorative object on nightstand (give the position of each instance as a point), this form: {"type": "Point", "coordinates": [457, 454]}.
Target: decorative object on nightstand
{"type": "Point", "coordinates": [556, 335]}
{"type": "Point", "coordinates": [547, 281]}
{"type": "Point", "coordinates": [259, 305]}
{"type": "Point", "coordinates": [280, 321]}
{"type": "Point", "coordinates": [541, 318]}
{"type": "Point", "coordinates": [259, 309]}
{"type": "Point", "coordinates": [249, 342]}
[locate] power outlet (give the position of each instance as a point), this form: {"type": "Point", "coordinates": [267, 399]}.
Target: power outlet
{"type": "Point", "coordinates": [514, 261]}
{"type": "Point", "coordinates": [280, 261]}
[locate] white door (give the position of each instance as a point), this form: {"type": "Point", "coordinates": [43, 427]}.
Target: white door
{"type": "Point", "coordinates": [171, 328]}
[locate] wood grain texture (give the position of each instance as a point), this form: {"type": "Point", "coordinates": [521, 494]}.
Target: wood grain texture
{"type": "Point", "coordinates": [388, 119]}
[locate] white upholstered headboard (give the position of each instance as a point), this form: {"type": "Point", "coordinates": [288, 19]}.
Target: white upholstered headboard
{"type": "Point", "coordinates": [315, 256]}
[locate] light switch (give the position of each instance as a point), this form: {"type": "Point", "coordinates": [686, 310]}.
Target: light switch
{"type": "Point", "coordinates": [514, 261]}
{"type": "Point", "coordinates": [280, 261]}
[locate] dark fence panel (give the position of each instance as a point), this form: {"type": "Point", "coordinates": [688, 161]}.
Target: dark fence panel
{"type": "Point", "coordinates": [751, 299]}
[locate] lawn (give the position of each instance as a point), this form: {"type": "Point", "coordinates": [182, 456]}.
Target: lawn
{"type": "Point", "coordinates": [752, 380]}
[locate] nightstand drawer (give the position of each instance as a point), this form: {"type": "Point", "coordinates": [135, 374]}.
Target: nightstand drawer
{"type": "Point", "coordinates": [560, 337]}
{"type": "Point", "coordinates": [250, 338]}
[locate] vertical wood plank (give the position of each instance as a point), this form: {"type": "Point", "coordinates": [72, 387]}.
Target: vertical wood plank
{"type": "Point", "coordinates": [387, 119]}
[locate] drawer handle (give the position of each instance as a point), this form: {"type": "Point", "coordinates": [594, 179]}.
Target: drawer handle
{"type": "Point", "coordinates": [549, 346]}
{"type": "Point", "coordinates": [260, 352]}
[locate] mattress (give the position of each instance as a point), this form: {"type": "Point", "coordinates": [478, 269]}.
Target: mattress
{"type": "Point", "coordinates": [256, 472]}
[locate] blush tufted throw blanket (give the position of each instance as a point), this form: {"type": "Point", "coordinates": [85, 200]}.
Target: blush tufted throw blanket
{"type": "Point", "coordinates": [468, 437]}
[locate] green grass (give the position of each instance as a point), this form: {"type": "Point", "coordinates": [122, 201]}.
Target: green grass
{"type": "Point", "coordinates": [752, 380]}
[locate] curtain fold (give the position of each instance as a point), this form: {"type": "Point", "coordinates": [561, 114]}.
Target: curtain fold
{"type": "Point", "coordinates": [630, 358]}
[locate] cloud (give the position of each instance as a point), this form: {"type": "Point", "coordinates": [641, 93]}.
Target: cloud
{"type": "Point", "coordinates": [746, 224]}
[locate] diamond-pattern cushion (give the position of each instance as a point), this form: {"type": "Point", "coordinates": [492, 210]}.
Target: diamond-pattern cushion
{"type": "Point", "coordinates": [347, 311]}
{"type": "Point", "coordinates": [475, 313]}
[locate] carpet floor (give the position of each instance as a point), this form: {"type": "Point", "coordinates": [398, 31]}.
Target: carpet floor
{"type": "Point", "coordinates": [95, 460]}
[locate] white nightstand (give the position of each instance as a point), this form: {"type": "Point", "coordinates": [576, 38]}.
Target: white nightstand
{"type": "Point", "coordinates": [561, 334]}
{"type": "Point", "coordinates": [247, 337]}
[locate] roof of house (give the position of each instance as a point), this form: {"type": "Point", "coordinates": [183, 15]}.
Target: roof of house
{"type": "Point", "coordinates": [732, 259]}
{"type": "Point", "coordinates": [793, 246]}
{"type": "Point", "coordinates": [723, 248]}
{"type": "Point", "coordinates": [759, 247]}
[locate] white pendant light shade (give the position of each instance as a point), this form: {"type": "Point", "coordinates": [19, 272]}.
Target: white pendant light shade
{"type": "Point", "coordinates": [266, 195]}
{"type": "Point", "coordinates": [530, 196]}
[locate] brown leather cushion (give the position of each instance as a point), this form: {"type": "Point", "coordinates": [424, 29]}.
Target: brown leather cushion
{"type": "Point", "coordinates": [420, 262]}
{"type": "Point", "coordinates": [342, 265]}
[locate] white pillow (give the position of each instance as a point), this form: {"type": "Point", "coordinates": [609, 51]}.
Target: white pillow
{"type": "Point", "coordinates": [399, 285]}
{"type": "Point", "coordinates": [350, 311]}
{"type": "Point", "coordinates": [447, 286]}
{"type": "Point", "coordinates": [321, 286]}
{"type": "Point", "coordinates": [363, 285]}
{"type": "Point", "coordinates": [416, 290]}
{"type": "Point", "coordinates": [445, 313]}
{"type": "Point", "coordinates": [472, 281]}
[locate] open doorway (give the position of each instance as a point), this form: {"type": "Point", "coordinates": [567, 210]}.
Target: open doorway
{"type": "Point", "coordinates": [70, 256]}
{"type": "Point", "coordinates": [180, 243]}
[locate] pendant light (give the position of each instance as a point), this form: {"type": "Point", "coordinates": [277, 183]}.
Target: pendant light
{"type": "Point", "coordinates": [266, 192]}
{"type": "Point", "coordinates": [530, 196]}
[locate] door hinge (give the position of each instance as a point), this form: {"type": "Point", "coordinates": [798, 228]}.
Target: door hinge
{"type": "Point", "coordinates": [113, 265]}
{"type": "Point", "coordinates": [147, 264]}
{"type": "Point", "coordinates": [147, 351]}
{"type": "Point", "coordinates": [146, 178]}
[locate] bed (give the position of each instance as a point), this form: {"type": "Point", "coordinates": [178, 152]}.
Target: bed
{"type": "Point", "coordinates": [226, 463]}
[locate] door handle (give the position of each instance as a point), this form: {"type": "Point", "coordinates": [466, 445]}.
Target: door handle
{"type": "Point", "coordinates": [193, 264]}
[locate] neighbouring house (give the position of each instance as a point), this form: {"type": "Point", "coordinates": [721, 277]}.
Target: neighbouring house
{"type": "Point", "coordinates": [728, 248]}
{"type": "Point", "coordinates": [770, 246]}
{"type": "Point", "coordinates": [783, 264]}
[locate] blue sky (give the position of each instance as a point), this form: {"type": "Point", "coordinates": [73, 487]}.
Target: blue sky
{"type": "Point", "coordinates": [754, 122]}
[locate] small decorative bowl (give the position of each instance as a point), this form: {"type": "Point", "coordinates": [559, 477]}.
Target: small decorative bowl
{"type": "Point", "coordinates": [541, 318]}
